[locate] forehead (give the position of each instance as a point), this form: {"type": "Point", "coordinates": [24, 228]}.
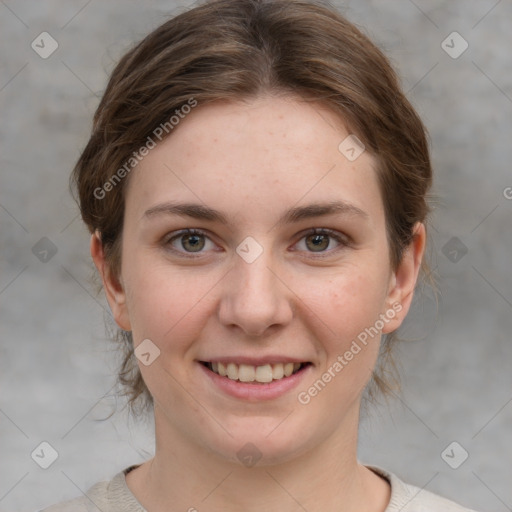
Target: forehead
{"type": "Point", "coordinates": [270, 152]}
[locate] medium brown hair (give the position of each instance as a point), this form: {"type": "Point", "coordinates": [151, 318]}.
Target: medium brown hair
{"type": "Point", "coordinates": [238, 50]}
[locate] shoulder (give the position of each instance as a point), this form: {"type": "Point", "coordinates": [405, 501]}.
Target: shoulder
{"type": "Point", "coordinates": [410, 498]}
{"type": "Point", "coordinates": [92, 501]}
{"type": "Point", "coordinates": [105, 496]}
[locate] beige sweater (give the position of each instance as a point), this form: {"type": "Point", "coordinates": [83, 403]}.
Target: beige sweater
{"type": "Point", "coordinates": [115, 496]}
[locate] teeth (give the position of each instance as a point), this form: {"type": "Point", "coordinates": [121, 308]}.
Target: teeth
{"type": "Point", "coordinates": [264, 373]}
{"type": "Point", "coordinates": [250, 373]}
{"type": "Point", "coordinates": [277, 371]}
{"type": "Point", "coordinates": [222, 370]}
{"type": "Point", "coordinates": [246, 373]}
{"type": "Point", "coordinates": [232, 371]}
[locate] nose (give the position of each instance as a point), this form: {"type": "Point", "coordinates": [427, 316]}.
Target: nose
{"type": "Point", "coordinates": [255, 297]}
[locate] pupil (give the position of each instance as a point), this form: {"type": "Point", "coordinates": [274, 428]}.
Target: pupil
{"type": "Point", "coordinates": [195, 244]}
{"type": "Point", "coordinates": [319, 241]}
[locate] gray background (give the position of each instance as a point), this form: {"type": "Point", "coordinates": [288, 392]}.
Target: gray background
{"type": "Point", "coordinates": [57, 371]}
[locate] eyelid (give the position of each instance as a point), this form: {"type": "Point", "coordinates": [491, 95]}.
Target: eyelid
{"type": "Point", "coordinates": [167, 239]}
{"type": "Point", "coordinates": [338, 235]}
{"type": "Point", "coordinates": [343, 240]}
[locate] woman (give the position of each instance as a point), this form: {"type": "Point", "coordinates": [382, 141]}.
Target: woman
{"type": "Point", "coordinates": [256, 188]}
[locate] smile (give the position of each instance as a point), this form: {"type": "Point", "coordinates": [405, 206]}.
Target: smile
{"type": "Point", "coordinates": [249, 373]}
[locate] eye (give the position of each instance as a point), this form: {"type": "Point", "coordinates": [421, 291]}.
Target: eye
{"type": "Point", "coordinates": [192, 241]}
{"type": "Point", "coordinates": [319, 240]}
{"type": "Point", "coordinates": [188, 241]}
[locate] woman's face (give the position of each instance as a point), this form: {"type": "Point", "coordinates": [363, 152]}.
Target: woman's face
{"type": "Point", "coordinates": [257, 288]}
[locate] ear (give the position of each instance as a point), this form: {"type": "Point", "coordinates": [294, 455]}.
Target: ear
{"type": "Point", "coordinates": [403, 280]}
{"type": "Point", "coordinates": [114, 291]}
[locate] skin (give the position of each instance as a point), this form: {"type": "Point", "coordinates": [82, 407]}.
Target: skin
{"type": "Point", "coordinates": [253, 161]}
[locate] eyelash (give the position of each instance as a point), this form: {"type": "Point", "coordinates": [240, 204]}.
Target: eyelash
{"type": "Point", "coordinates": [341, 239]}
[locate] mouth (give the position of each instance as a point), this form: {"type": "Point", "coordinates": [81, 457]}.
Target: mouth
{"type": "Point", "coordinates": [250, 374]}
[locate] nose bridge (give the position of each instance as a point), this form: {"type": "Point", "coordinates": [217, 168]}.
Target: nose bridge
{"type": "Point", "coordinates": [254, 298]}
{"type": "Point", "coordinates": [256, 278]}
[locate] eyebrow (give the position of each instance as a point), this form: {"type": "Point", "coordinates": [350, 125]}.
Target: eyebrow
{"type": "Point", "coordinates": [202, 212]}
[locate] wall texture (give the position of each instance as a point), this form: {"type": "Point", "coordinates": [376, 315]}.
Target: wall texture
{"type": "Point", "coordinates": [57, 372]}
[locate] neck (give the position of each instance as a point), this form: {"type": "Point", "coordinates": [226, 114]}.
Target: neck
{"type": "Point", "coordinates": [327, 477]}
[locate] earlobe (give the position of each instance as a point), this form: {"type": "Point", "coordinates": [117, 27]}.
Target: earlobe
{"type": "Point", "coordinates": [114, 290]}
{"type": "Point", "coordinates": [403, 280]}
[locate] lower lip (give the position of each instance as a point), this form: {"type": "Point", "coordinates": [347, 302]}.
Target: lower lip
{"type": "Point", "coordinates": [257, 391]}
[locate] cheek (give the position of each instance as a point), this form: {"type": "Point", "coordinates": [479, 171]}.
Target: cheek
{"type": "Point", "coordinates": [165, 302]}
{"type": "Point", "coordinates": [346, 308]}
{"type": "Point", "coordinates": [348, 301]}
{"type": "Point", "coordinates": [350, 308]}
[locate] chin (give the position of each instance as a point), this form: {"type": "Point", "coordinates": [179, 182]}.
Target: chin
{"type": "Point", "coordinates": [263, 443]}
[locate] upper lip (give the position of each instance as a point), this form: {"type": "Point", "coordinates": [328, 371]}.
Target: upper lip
{"type": "Point", "coordinates": [254, 361]}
